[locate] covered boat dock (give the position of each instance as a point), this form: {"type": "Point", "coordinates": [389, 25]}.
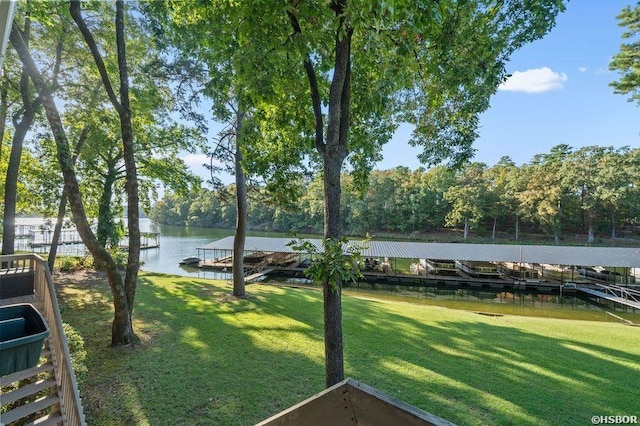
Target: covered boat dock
{"type": "Point", "coordinates": [557, 264]}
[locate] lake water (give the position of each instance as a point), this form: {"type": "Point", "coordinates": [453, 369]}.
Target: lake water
{"type": "Point", "coordinates": [178, 242]}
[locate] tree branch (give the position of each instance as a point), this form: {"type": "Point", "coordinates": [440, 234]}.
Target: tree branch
{"type": "Point", "coordinates": [76, 14]}
{"type": "Point", "coordinates": [313, 87]}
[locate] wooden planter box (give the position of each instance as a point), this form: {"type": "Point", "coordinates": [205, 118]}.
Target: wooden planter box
{"type": "Point", "coordinates": [22, 333]}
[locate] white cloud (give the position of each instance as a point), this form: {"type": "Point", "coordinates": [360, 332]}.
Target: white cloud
{"type": "Point", "coordinates": [196, 160]}
{"type": "Point", "coordinates": [536, 80]}
{"type": "Point", "coordinates": [582, 69]}
{"type": "Point", "coordinates": [603, 71]}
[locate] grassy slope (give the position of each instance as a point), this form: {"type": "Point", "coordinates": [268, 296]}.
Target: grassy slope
{"type": "Point", "coordinates": [210, 359]}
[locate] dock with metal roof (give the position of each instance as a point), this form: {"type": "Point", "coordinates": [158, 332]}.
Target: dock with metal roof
{"type": "Point", "coordinates": [542, 254]}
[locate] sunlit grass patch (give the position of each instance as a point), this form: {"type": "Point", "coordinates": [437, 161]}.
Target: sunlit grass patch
{"type": "Point", "coordinates": [209, 358]}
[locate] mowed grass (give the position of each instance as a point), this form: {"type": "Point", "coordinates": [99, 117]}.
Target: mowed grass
{"type": "Point", "coordinates": [207, 358]}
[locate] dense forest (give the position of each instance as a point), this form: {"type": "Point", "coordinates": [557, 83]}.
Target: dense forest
{"type": "Point", "coordinates": [592, 191]}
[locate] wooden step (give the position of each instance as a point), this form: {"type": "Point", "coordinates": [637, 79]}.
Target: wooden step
{"type": "Point", "coordinates": [28, 409]}
{"type": "Point", "coordinates": [27, 390]}
{"type": "Point", "coordinates": [26, 373]}
{"type": "Point", "coordinates": [53, 419]}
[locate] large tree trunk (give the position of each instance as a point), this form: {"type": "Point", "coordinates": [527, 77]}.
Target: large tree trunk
{"type": "Point", "coordinates": [241, 218]}
{"type": "Point", "coordinates": [122, 328]}
{"type": "Point", "coordinates": [122, 106]}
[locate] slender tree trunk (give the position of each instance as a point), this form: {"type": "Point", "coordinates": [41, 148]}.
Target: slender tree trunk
{"type": "Point", "coordinates": [591, 236]}
{"type": "Point", "coordinates": [21, 127]}
{"type": "Point", "coordinates": [122, 328]}
{"type": "Point", "coordinates": [613, 224]}
{"type": "Point", "coordinates": [62, 207]}
{"type": "Point", "coordinates": [493, 231]}
{"type": "Point", "coordinates": [517, 227]}
{"type": "Point", "coordinates": [466, 228]}
{"type": "Point", "coordinates": [3, 118]}
{"type": "Point", "coordinates": [242, 209]}
{"type": "Point", "coordinates": [11, 184]}
{"type": "Point", "coordinates": [333, 342]}
{"type": "Point", "coordinates": [333, 156]}
{"type": "Point", "coordinates": [333, 151]}
{"type": "Point", "coordinates": [131, 184]}
{"type": "Point", "coordinates": [105, 231]}
{"type": "Point", "coordinates": [557, 225]}
{"type": "Point", "coordinates": [4, 107]}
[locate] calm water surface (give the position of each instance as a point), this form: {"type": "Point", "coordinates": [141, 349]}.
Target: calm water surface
{"type": "Point", "coordinates": [178, 242]}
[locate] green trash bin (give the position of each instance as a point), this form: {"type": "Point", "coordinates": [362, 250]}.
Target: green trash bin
{"type": "Point", "coordinates": [22, 333]}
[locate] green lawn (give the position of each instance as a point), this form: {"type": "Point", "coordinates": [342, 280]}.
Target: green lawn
{"type": "Point", "coordinates": [209, 359]}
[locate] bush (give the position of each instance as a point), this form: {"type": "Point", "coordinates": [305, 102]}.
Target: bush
{"type": "Point", "coordinates": [77, 351]}
{"type": "Point", "coordinates": [69, 264]}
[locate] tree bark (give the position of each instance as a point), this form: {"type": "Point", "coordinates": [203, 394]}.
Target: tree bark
{"type": "Point", "coordinates": [517, 228]}
{"type": "Point", "coordinates": [493, 231]}
{"type": "Point", "coordinates": [131, 184]}
{"type": "Point", "coordinates": [122, 106]}
{"type": "Point", "coordinates": [242, 212]}
{"type": "Point", "coordinates": [106, 226]}
{"type": "Point", "coordinates": [333, 156]}
{"type": "Point", "coordinates": [122, 327]}
{"type": "Point", "coordinates": [333, 152]}
{"type": "Point", "coordinates": [613, 224]}
{"type": "Point", "coordinates": [466, 228]}
{"type": "Point", "coordinates": [21, 128]}
{"type": "Point", "coordinates": [11, 182]}
{"type": "Point", "coordinates": [557, 225]}
{"type": "Point", "coordinates": [62, 207]}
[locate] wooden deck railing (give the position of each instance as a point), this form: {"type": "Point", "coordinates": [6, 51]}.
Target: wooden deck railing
{"type": "Point", "coordinates": [34, 267]}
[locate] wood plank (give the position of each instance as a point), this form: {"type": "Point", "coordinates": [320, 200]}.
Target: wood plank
{"type": "Point", "coordinates": [31, 408]}
{"type": "Point", "coordinates": [257, 275]}
{"type": "Point", "coordinates": [28, 390]}
{"type": "Point", "coordinates": [52, 419]}
{"type": "Point", "coordinates": [25, 374]}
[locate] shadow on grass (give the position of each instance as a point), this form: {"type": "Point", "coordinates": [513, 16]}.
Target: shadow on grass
{"type": "Point", "coordinates": [206, 357]}
{"type": "Point", "coordinates": [481, 370]}
{"type": "Point", "coordinates": [211, 359]}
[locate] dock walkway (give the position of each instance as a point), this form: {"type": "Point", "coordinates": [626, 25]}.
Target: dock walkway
{"type": "Point", "coordinates": [615, 294]}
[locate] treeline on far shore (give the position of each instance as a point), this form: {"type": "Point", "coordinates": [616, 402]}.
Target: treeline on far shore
{"type": "Point", "coordinates": [592, 192]}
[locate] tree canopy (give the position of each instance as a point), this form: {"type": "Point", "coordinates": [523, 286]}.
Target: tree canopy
{"type": "Point", "coordinates": [627, 61]}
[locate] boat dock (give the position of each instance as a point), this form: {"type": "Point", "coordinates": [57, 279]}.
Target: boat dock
{"type": "Point", "coordinates": [543, 269]}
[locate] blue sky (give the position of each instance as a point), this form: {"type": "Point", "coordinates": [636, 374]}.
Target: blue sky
{"type": "Point", "coordinates": [559, 93]}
